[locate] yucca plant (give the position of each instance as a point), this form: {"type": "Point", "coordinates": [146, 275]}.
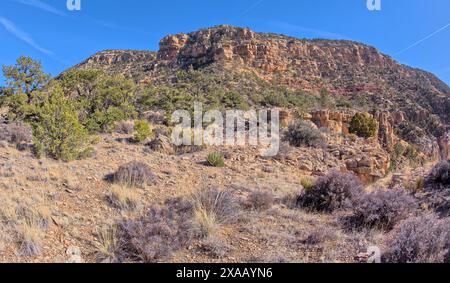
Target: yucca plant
{"type": "Point", "coordinates": [216, 160]}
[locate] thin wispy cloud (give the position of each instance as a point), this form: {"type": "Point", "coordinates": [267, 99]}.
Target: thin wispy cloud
{"type": "Point", "coordinates": [249, 9]}
{"type": "Point", "coordinates": [22, 35]}
{"type": "Point", "coordinates": [38, 4]}
{"type": "Point", "coordinates": [301, 29]}
{"type": "Point", "coordinates": [424, 39]}
{"type": "Point", "coordinates": [42, 6]}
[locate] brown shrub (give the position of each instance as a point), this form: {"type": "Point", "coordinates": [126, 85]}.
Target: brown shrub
{"type": "Point", "coordinates": [134, 174]}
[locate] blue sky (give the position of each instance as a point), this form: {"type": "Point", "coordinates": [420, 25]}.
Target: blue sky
{"type": "Point", "coordinates": [415, 32]}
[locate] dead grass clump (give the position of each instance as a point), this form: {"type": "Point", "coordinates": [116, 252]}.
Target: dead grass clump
{"type": "Point", "coordinates": [29, 239]}
{"type": "Point", "coordinates": [214, 247]}
{"type": "Point", "coordinates": [212, 209]}
{"type": "Point", "coordinates": [107, 245]}
{"type": "Point", "coordinates": [260, 200]}
{"type": "Point", "coordinates": [26, 220]}
{"type": "Point", "coordinates": [154, 237]}
{"type": "Point", "coordinates": [134, 174]}
{"type": "Point", "coordinates": [124, 198]}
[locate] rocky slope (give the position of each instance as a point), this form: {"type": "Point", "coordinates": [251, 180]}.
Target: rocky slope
{"type": "Point", "coordinates": [349, 70]}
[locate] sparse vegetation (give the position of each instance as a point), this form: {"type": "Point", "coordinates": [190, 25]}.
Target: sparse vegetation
{"type": "Point", "coordinates": [29, 238]}
{"type": "Point", "coordinates": [301, 133]}
{"type": "Point", "coordinates": [28, 218]}
{"type": "Point", "coordinates": [260, 200]}
{"type": "Point", "coordinates": [307, 183]}
{"type": "Point", "coordinates": [416, 186]}
{"type": "Point", "coordinates": [214, 247]}
{"type": "Point", "coordinates": [50, 209]}
{"type": "Point", "coordinates": [107, 245]}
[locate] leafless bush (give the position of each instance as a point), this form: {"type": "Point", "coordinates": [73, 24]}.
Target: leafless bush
{"type": "Point", "coordinates": [125, 127]}
{"type": "Point", "coordinates": [424, 239]}
{"type": "Point", "coordinates": [155, 236]}
{"type": "Point", "coordinates": [260, 200]}
{"type": "Point", "coordinates": [16, 133]}
{"type": "Point", "coordinates": [439, 176]}
{"type": "Point", "coordinates": [381, 209]}
{"type": "Point", "coordinates": [214, 247]}
{"type": "Point", "coordinates": [134, 174]}
{"type": "Point", "coordinates": [332, 192]}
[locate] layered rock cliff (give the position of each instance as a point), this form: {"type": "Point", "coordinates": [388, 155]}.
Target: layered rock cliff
{"type": "Point", "coordinates": [351, 70]}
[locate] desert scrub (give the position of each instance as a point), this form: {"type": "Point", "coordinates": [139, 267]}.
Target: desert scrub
{"type": "Point", "coordinates": [28, 218]}
{"type": "Point", "coordinates": [142, 131]}
{"type": "Point", "coordinates": [125, 127]}
{"type": "Point", "coordinates": [332, 192]}
{"type": "Point", "coordinates": [215, 159]}
{"type": "Point", "coordinates": [134, 174]}
{"type": "Point", "coordinates": [382, 209]}
{"type": "Point", "coordinates": [363, 125]}
{"type": "Point", "coordinates": [301, 133]}
{"type": "Point", "coordinates": [260, 200]}
{"type": "Point", "coordinates": [124, 197]}
{"type": "Point", "coordinates": [212, 209]}
{"type": "Point", "coordinates": [214, 247]}
{"type": "Point", "coordinates": [29, 239]}
{"type": "Point", "coordinates": [16, 133]}
{"type": "Point", "coordinates": [107, 244]}
{"type": "Point", "coordinates": [155, 236]}
{"type": "Point", "coordinates": [439, 177]}
{"type": "Point", "coordinates": [424, 239]}
{"type": "Point", "coordinates": [416, 186]}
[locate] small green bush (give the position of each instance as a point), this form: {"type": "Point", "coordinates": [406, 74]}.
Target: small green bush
{"type": "Point", "coordinates": [216, 160]}
{"type": "Point", "coordinates": [363, 125]}
{"type": "Point", "coordinates": [102, 99]}
{"type": "Point", "coordinates": [57, 131]}
{"type": "Point", "coordinates": [142, 130]}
